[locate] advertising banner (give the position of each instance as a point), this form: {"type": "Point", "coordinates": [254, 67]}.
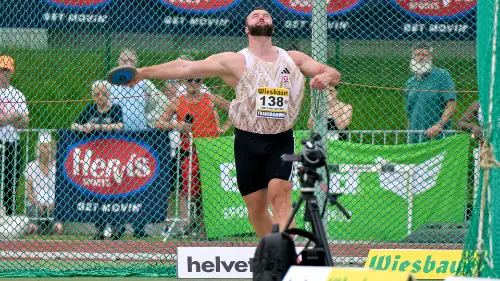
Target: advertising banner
{"type": "Point", "coordinates": [121, 177]}
{"type": "Point", "coordinates": [423, 264]}
{"type": "Point", "coordinates": [347, 19]}
{"type": "Point", "coordinates": [425, 183]}
{"type": "Point", "coordinates": [63, 14]}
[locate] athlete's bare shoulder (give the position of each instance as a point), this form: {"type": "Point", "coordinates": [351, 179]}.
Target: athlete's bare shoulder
{"type": "Point", "coordinates": [233, 62]}
{"type": "Point", "coordinates": [228, 58]}
{"type": "Point", "coordinates": [298, 57]}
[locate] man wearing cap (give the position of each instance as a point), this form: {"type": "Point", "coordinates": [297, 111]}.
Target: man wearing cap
{"type": "Point", "coordinates": [13, 116]}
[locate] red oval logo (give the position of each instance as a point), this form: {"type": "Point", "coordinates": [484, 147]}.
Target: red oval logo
{"type": "Point", "coordinates": [78, 3]}
{"type": "Point", "coordinates": [304, 7]}
{"type": "Point", "coordinates": [200, 6]}
{"type": "Point", "coordinates": [111, 167]}
{"type": "Point", "coordinates": [436, 9]}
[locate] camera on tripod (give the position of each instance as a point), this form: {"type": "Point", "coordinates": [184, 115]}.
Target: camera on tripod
{"type": "Point", "coordinates": [312, 158]}
{"type": "Point", "coordinates": [276, 252]}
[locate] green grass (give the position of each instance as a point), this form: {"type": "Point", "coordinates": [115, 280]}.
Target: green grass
{"type": "Point", "coordinates": [55, 80]}
{"type": "Point", "coordinates": [46, 76]}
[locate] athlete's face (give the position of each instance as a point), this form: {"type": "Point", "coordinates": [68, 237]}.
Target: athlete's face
{"type": "Point", "coordinates": [259, 23]}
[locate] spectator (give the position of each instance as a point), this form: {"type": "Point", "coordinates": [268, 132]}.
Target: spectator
{"type": "Point", "coordinates": [339, 117]}
{"type": "Point", "coordinates": [197, 116]}
{"type": "Point", "coordinates": [102, 115]}
{"type": "Point", "coordinates": [141, 104]}
{"type": "Point", "coordinates": [40, 177]}
{"type": "Point", "coordinates": [13, 116]}
{"type": "Point", "coordinates": [472, 120]}
{"type": "Point", "coordinates": [430, 96]}
{"type": "Point", "coordinates": [142, 107]}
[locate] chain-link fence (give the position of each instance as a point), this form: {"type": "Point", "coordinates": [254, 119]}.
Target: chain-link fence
{"type": "Point", "coordinates": [111, 180]}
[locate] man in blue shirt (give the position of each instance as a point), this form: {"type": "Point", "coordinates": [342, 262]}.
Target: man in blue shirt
{"type": "Point", "coordinates": [141, 105]}
{"type": "Point", "coordinates": [430, 97]}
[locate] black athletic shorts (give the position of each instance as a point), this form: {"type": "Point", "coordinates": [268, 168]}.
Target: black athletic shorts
{"type": "Point", "coordinates": [258, 159]}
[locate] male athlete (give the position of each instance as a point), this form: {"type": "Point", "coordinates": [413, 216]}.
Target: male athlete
{"type": "Point", "coordinates": [269, 84]}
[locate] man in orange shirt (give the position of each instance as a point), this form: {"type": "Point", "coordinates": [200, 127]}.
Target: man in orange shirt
{"type": "Point", "coordinates": [197, 117]}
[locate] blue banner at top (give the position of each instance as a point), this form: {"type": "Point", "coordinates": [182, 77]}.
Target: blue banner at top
{"type": "Point", "coordinates": [347, 19]}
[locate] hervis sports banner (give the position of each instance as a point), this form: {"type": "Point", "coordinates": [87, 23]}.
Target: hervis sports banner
{"type": "Point", "coordinates": [121, 176]}
{"type": "Point", "coordinates": [389, 190]}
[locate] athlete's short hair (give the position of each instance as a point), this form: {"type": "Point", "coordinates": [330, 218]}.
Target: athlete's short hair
{"type": "Point", "coordinates": [255, 9]}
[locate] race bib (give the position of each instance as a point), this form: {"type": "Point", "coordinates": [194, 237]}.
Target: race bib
{"type": "Point", "coordinates": [272, 103]}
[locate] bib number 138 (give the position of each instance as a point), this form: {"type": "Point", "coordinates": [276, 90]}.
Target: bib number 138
{"type": "Point", "coordinates": [272, 103]}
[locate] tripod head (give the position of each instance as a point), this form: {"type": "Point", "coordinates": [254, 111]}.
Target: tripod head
{"type": "Point", "coordinates": [311, 158]}
{"type": "Point", "coordinates": [311, 155]}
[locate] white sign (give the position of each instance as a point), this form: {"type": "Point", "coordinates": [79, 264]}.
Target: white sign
{"type": "Point", "coordinates": [225, 262]}
{"type": "Point", "coordinates": [307, 273]}
{"type": "Point", "coordinates": [215, 262]}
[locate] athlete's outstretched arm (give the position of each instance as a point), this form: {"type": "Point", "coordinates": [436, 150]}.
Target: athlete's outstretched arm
{"type": "Point", "coordinates": [178, 69]}
{"type": "Point", "coordinates": [323, 75]}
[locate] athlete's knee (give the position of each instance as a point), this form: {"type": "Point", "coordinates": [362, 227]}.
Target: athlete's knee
{"type": "Point", "coordinates": [256, 204]}
{"type": "Point", "coordinates": [279, 191]}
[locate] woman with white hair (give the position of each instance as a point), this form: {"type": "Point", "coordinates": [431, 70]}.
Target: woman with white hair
{"type": "Point", "coordinates": [102, 115]}
{"type": "Point", "coordinates": [40, 177]}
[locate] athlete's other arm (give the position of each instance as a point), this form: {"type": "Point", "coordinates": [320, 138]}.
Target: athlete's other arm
{"type": "Point", "coordinates": [322, 75]}
{"type": "Point", "coordinates": [213, 66]}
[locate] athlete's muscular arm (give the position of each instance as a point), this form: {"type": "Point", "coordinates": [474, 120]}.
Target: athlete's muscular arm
{"type": "Point", "coordinates": [213, 66]}
{"type": "Point", "coordinates": [323, 75]}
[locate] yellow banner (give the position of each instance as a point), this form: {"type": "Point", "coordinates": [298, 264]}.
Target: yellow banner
{"type": "Point", "coordinates": [422, 264]}
{"type": "Point", "coordinates": [326, 273]}
{"type": "Point", "coordinates": [364, 274]}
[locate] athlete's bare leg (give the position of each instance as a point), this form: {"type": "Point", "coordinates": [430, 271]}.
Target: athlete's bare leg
{"type": "Point", "coordinates": [258, 214]}
{"type": "Point", "coordinates": [280, 199]}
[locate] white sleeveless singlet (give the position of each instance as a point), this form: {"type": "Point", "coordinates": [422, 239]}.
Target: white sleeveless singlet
{"type": "Point", "coordinates": [268, 96]}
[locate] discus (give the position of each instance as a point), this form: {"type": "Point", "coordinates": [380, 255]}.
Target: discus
{"type": "Point", "coordinates": [121, 74]}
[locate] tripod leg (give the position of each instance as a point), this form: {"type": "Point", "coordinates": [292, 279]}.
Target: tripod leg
{"type": "Point", "coordinates": [320, 231]}
{"type": "Point", "coordinates": [295, 209]}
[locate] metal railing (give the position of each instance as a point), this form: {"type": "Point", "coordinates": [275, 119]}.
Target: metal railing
{"type": "Point", "coordinates": [383, 137]}
{"type": "Point", "coordinates": [375, 137]}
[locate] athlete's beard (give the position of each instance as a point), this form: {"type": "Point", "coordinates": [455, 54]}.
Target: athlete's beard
{"type": "Point", "coordinates": [420, 68]}
{"type": "Point", "coordinates": [261, 30]}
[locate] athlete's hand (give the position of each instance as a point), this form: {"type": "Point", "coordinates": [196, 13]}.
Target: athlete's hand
{"type": "Point", "coordinates": [137, 78]}
{"type": "Point", "coordinates": [320, 81]}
